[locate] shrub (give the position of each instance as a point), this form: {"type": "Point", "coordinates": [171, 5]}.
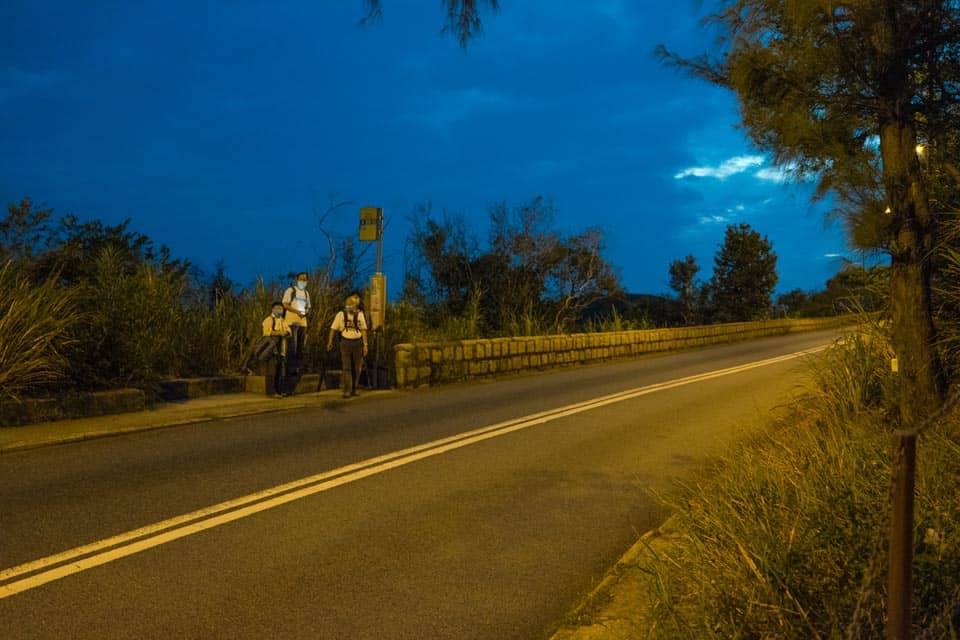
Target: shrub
{"type": "Point", "coordinates": [35, 325]}
{"type": "Point", "coordinates": [788, 539]}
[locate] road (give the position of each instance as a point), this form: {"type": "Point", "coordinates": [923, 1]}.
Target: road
{"type": "Point", "coordinates": [481, 510]}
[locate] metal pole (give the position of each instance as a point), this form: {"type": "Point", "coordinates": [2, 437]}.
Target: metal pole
{"type": "Point", "coordinates": [383, 303]}
{"type": "Point", "coordinates": [379, 240]}
{"type": "Point", "coordinates": [900, 578]}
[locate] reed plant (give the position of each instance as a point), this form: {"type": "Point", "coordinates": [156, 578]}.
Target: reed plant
{"type": "Point", "coordinates": [615, 321]}
{"type": "Point", "coordinates": [787, 539]}
{"type": "Point", "coordinates": [215, 335]}
{"type": "Point", "coordinates": [134, 329]}
{"type": "Point", "coordinates": [36, 323]}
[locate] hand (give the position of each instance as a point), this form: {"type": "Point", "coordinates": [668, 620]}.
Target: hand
{"type": "Point", "coordinates": [329, 346]}
{"type": "Point", "coordinates": [364, 350]}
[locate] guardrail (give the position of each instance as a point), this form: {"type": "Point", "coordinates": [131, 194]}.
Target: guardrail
{"type": "Point", "coordinates": [435, 362]}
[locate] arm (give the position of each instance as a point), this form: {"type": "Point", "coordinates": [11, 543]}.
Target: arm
{"type": "Point", "coordinates": [334, 327]}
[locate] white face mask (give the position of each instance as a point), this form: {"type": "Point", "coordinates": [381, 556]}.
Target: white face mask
{"type": "Point", "coordinates": [301, 284]}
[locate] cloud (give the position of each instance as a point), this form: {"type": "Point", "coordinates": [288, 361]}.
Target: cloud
{"type": "Point", "coordinates": [773, 174]}
{"type": "Point", "coordinates": [714, 219]}
{"type": "Point", "coordinates": [724, 170]}
{"type": "Point", "coordinates": [780, 175]}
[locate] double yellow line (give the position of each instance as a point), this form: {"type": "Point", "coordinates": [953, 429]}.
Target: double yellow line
{"type": "Point", "coordinates": [40, 572]}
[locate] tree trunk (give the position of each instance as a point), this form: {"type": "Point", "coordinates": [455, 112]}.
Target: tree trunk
{"type": "Point", "coordinates": [911, 225]}
{"type": "Point", "coordinates": [912, 235]}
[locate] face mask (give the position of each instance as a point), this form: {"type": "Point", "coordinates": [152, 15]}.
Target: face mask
{"type": "Point", "coordinates": [277, 313]}
{"type": "Point", "coordinates": [348, 309]}
{"type": "Point", "coordinates": [301, 284]}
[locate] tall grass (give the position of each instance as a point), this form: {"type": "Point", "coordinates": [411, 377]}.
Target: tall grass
{"type": "Point", "coordinates": [134, 331]}
{"type": "Point", "coordinates": [788, 538]}
{"type": "Point", "coordinates": [35, 327]}
{"type": "Point", "coordinates": [614, 321]}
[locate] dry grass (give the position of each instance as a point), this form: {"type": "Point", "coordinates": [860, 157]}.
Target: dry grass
{"type": "Point", "coordinates": [788, 540]}
{"type": "Point", "coordinates": [35, 322]}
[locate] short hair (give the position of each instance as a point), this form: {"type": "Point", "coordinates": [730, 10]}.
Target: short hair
{"type": "Point", "coordinates": [276, 303]}
{"type": "Point", "coordinates": [304, 274]}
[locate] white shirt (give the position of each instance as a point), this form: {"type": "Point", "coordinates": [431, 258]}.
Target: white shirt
{"type": "Point", "coordinates": [300, 300]}
{"type": "Point", "coordinates": [349, 333]}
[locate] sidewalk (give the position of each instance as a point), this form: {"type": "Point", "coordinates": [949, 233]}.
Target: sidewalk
{"type": "Point", "coordinates": [214, 407]}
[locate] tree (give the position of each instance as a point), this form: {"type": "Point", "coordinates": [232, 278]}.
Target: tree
{"type": "Point", "coordinates": [744, 276]}
{"type": "Point", "coordinates": [682, 280]}
{"type": "Point", "coordinates": [22, 230]}
{"type": "Point", "coordinates": [531, 278]}
{"type": "Point", "coordinates": [463, 17]}
{"type": "Point", "coordinates": [220, 285]}
{"type": "Point", "coordinates": [817, 82]}
{"type": "Point", "coordinates": [793, 304]}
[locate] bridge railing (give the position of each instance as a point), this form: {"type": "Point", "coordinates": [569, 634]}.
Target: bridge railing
{"type": "Point", "coordinates": [436, 362]}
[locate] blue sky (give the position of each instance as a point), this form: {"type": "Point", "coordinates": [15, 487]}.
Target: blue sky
{"type": "Point", "coordinates": [225, 130]}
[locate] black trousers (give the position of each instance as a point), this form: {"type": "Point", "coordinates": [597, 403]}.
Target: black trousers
{"type": "Point", "coordinates": [278, 366]}
{"type": "Point", "coordinates": [351, 359]}
{"type": "Point", "coordinates": [298, 335]}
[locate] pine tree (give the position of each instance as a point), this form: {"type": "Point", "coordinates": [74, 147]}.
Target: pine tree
{"type": "Point", "coordinates": [818, 84]}
{"type": "Point", "coordinates": [744, 276]}
{"type": "Point", "coordinates": [682, 280]}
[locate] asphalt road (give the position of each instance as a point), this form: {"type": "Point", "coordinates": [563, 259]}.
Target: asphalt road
{"type": "Point", "coordinates": [398, 526]}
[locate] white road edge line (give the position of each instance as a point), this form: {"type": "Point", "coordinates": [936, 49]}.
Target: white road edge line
{"type": "Point", "coordinates": [104, 551]}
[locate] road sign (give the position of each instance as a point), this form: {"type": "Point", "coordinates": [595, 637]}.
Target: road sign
{"type": "Point", "coordinates": [371, 223]}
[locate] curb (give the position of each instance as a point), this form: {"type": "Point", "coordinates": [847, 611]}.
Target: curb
{"type": "Point", "coordinates": [153, 422]}
{"type": "Point", "coordinates": [594, 627]}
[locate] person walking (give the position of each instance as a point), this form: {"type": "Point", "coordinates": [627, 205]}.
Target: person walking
{"type": "Point", "coordinates": [275, 330]}
{"type": "Point", "coordinates": [296, 305]}
{"type": "Point", "coordinates": [351, 324]}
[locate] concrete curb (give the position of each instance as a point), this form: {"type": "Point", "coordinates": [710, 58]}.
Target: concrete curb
{"type": "Point", "coordinates": [596, 617]}
{"type": "Point", "coordinates": [209, 409]}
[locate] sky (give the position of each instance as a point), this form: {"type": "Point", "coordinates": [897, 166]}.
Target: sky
{"type": "Point", "coordinates": [230, 131]}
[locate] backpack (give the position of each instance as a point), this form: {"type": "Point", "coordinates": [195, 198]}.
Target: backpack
{"type": "Point", "coordinates": [350, 321]}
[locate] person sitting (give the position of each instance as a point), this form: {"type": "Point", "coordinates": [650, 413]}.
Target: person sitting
{"type": "Point", "coordinates": [277, 331]}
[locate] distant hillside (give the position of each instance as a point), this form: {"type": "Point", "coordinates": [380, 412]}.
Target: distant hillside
{"type": "Point", "coordinates": [637, 310]}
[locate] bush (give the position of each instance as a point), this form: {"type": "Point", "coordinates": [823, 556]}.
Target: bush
{"type": "Point", "coordinates": [135, 329]}
{"type": "Point", "coordinates": [35, 324]}
{"type": "Point", "coordinates": [788, 540]}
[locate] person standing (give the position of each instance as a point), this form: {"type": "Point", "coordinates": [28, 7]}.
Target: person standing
{"type": "Point", "coordinates": [275, 328]}
{"type": "Point", "coordinates": [296, 304]}
{"type": "Point", "coordinates": [351, 324]}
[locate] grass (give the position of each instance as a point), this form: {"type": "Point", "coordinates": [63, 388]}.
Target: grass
{"type": "Point", "coordinates": [788, 538]}
{"type": "Point", "coordinates": [35, 325]}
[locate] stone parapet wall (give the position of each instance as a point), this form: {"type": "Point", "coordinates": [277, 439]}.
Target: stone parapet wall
{"type": "Point", "coordinates": [78, 405]}
{"type": "Point", "coordinates": [436, 362]}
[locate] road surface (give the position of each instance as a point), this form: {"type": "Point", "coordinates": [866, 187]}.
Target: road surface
{"type": "Point", "coordinates": [480, 510]}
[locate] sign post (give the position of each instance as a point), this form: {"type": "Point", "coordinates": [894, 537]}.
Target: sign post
{"type": "Point", "coordinates": [371, 229]}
